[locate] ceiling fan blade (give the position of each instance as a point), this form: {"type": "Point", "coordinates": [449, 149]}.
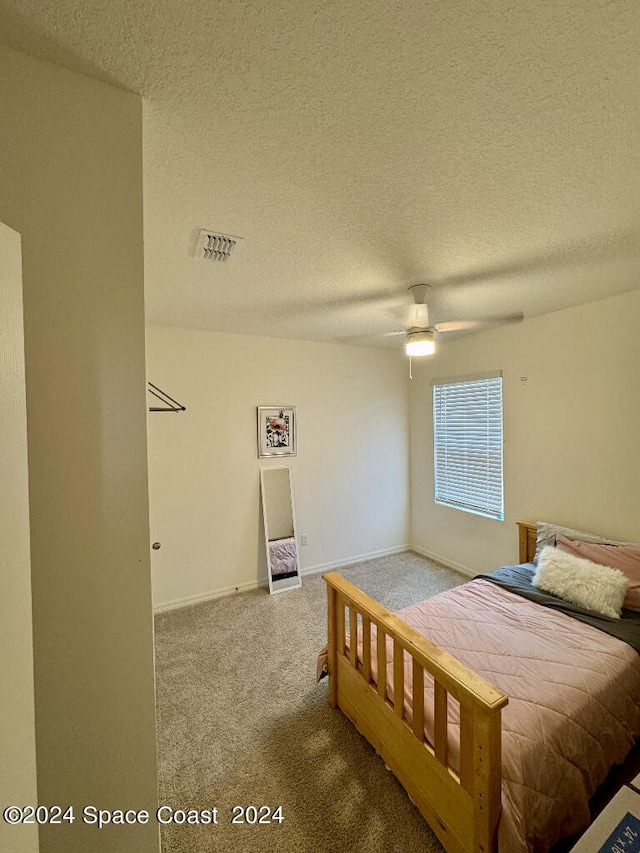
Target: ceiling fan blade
{"type": "Point", "coordinates": [476, 325]}
{"type": "Point", "coordinates": [353, 339]}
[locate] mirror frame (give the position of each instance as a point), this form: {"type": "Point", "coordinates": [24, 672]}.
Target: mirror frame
{"type": "Point", "coordinates": [287, 583]}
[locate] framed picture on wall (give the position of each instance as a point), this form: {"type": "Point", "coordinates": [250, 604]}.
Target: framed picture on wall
{"type": "Point", "coordinates": [277, 433]}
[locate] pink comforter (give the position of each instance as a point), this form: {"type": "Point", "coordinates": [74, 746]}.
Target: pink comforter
{"type": "Point", "coordinates": [574, 703]}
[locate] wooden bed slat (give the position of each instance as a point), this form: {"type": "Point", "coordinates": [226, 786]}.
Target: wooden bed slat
{"type": "Point", "coordinates": [353, 631]}
{"type": "Point", "coordinates": [382, 664]}
{"type": "Point", "coordinates": [440, 729]}
{"type": "Point", "coordinates": [340, 622]}
{"type": "Point", "coordinates": [418, 701]}
{"type": "Point", "coordinates": [466, 748]}
{"type": "Point", "coordinates": [398, 679]}
{"type": "Point", "coordinates": [366, 649]}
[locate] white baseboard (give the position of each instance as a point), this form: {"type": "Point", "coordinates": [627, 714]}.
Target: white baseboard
{"type": "Point", "coordinates": [464, 570]}
{"type": "Point", "coordinates": [361, 558]}
{"type": "Point", "coordinates": [189, 600]}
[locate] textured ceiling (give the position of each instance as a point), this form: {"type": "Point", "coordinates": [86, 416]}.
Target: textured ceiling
{"type": "Point", "coordinates": [488, 148]}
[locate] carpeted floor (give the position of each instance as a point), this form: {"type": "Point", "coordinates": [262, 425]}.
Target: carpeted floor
{"type": "Point", "coordinates": [242, 722]}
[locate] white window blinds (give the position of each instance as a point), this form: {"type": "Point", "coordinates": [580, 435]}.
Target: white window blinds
{"type": "Point", "coordinates": [467, 439]}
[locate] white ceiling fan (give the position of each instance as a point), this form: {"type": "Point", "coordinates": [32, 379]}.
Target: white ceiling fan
{"type": "Point", "coordinates": [421, 335]}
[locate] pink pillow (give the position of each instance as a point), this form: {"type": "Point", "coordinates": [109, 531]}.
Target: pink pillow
{"type": "Point", "coordinates": [623, 557]}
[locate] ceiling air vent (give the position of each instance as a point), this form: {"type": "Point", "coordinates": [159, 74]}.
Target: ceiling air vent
{"type": "Point", "coordinates": [215, 247]}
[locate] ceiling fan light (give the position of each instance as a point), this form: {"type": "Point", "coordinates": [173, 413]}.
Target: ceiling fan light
{"type": "Point", "coordinates": [420, 343]}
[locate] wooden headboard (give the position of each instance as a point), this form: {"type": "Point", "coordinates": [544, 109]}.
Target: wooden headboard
{"type": "Point", "coordinates": [527, 534]}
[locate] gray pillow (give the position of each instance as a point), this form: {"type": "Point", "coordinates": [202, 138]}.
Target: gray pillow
{"type": "Point", "coordinates": [546, 533]}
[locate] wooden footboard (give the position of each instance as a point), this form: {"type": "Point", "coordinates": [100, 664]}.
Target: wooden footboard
{"type": "Point", "coordinates": [462, 807]}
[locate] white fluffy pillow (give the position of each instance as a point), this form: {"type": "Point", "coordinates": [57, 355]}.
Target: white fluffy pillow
{"type": "Point", "coordinates": [594, 587]}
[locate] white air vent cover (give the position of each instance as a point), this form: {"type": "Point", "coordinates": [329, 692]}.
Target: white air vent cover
{"type": "Point", "coordinates": [215, 247]}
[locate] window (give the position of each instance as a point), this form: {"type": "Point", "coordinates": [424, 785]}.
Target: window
{"type": "Point", "coordinates": [467, 444]}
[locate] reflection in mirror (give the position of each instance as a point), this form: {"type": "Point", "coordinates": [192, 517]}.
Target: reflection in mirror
{"type": "Point", "coordinates": [279, 529]}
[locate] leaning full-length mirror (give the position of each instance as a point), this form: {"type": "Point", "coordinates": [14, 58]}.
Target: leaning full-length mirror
{"type": "Point", "coordinates": [279, 528]}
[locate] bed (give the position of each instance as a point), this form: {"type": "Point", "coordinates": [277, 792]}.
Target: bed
{"type": "Point", "coordinates": [496, 752]}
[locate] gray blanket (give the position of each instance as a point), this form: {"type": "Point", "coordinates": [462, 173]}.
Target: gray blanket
{"type": "Point", "coordinates": [517, 579]}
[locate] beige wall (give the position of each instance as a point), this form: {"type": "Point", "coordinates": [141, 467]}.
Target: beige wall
{"type": "Point", "coordinates": [350, 477]}
{"type": "Point", "coordinates": [571, 449]}
{"type": "Point", "coordinates": [71, 177]}
{"type": "Point", "coordinates": [17, 731]}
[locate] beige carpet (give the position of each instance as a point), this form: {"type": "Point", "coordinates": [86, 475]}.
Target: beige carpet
{"type": "Point", "coordinates": [242, 722]}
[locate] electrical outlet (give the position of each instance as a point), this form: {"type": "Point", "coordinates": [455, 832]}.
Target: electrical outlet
{"type": "Point", "coordinates": [304, 538]}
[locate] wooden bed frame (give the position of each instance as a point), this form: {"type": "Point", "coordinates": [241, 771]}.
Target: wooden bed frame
{"type": "Point", "coordinates": [462, 808]}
